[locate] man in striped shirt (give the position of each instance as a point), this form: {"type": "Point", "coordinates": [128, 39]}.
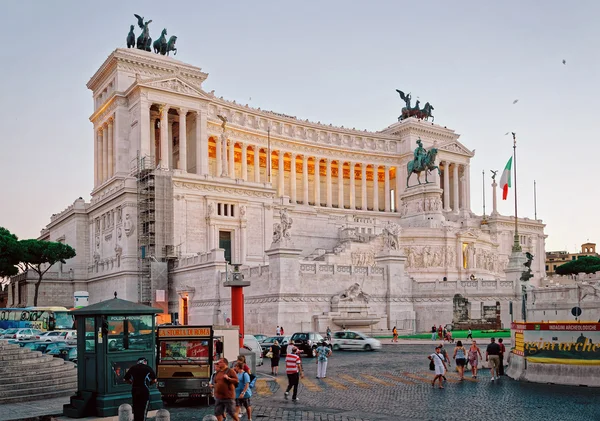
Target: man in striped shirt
{"type": "Point", "coordinates": [293, 369]}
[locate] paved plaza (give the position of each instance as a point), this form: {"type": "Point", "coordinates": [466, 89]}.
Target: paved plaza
{"type": "Point", "coordinates": [392, 384]}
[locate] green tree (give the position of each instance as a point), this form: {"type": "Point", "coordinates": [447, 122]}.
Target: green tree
{"type": "Point", "coordinates": [585, 264]}
{"type": "Point", "coordinates": [10, 253]}
{"type": "Point", "coordinates": [39, 256]}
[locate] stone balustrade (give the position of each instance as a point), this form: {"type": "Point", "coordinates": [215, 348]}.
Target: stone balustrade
{"type": "Point", "coordinates": [482, 285]}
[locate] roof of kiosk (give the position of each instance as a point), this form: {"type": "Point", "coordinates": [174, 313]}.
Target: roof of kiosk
{"type": "Point", "coordinates": [116, 306]}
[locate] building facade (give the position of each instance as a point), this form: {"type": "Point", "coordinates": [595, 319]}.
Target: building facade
{"type": "Point", "coordinates": [556, 258]}
{"type": "Point", "coordinates": [185, 182]}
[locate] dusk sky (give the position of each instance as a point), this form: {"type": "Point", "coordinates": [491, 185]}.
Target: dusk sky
{"type": "Point", "coordinates": [337, 62]}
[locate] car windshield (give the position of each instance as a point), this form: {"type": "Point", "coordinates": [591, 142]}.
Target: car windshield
{"type": "Point", "coordinates": [300, 336]}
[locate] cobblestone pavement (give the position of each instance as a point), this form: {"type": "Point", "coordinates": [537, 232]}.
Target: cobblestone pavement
{"type": "Point", "coordinates": [395, 384]}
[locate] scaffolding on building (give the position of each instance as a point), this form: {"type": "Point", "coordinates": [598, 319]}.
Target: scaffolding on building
{"type": "Point", "coordinates": [155, 225]}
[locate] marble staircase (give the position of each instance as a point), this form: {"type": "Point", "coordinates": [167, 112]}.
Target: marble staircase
{"type": "Point", "coordinates": [27, 375]}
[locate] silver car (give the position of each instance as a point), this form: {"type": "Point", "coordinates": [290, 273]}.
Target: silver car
{"type": "Point", "coordinates": [69, 336]}
{"type": "Point", "coordinates": [21, 334]}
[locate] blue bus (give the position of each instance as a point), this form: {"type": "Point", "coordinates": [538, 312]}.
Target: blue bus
{"type": "Point", "coordinates": [42, 318]}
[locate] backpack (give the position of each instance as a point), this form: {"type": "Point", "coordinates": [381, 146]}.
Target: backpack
{"type": "Point", "coordinates": [252, 380]}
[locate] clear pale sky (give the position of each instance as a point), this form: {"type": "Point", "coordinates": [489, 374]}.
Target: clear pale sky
{"type": "Point", "coordinates": [337, 62]}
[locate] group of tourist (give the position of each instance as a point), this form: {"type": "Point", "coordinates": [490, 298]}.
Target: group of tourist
{"type": "Point", "coordinates": [463, 357]}
{"type": "Point", "coordinates": [441, 333]}
{"type": "Point", "coordinates": [232, 389]}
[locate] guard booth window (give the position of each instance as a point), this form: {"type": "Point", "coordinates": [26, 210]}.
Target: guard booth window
{"type": "Point", "coordinates": [129, 333]}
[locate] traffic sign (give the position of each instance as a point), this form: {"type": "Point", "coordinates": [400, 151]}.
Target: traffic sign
{"type": "Point", "coordinates": [576, 311]}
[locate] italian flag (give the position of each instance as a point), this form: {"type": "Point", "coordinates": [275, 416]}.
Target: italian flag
{"type": "Point", "coordinates": [505, 179]}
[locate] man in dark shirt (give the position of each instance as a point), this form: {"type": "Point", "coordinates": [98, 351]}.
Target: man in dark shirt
{"type": "Point", "coordinates": [502, 352]}
{"type": "Point", "coordinates": [492, 353]}
{"type": "Point", "coordinates": [224, 384]}
{"type": "Point", "coordinates": [141, 377]}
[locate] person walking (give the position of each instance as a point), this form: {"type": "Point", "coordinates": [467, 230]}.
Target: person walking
{"type": "Point", "coordinates": [444, 355]}
{"type": "Point", "coordinates": [323, 353]}
{"type": "Point", "coordinates": [440, 366]}
{"type": "Point", "coordinates": [225, 382]}
{"type": "Point", "coordinates": [291, 348]}
{"type": "Point", "coordinates": [140, 376]}
{"type": "Point", "coordinates": [278, 331]}
{"type": "Point", "coordinates": [492, 354]}
{"type": "Point", "coordinates": [282, 331]}
{"type": "Point", "coordinates": [242, 391]}
{"type": "Point", "coordinates": [440, 331]}
{"type": "Point", "coordinates": [293, 369]}
{"type": "Point", "coordinates": [460, 356]}
{"type": "Point", "coordinates": [433, 332]}
{"type": "Point", "coordinates": [502, 352]}
{"type": "Point", "coordinates": [328, 334]}
{"type": "Point", "coordinates": [275, 355]}
{"type": "Point", "coordinates": [474, 351]}
{"type": "Point", "coordinates": [395, 334]}
{"type": "Point", "coordinates": [469, 334]}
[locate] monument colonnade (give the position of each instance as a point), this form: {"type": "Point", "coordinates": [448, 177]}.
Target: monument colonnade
{"type": "Point", "coordinates": [346, 183]}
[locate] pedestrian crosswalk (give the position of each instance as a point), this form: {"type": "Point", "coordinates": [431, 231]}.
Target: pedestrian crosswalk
{"type": "Point", "coordinates": [345, 381]}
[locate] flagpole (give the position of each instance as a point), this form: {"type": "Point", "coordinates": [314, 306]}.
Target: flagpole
{"type": "Point", "coordinates": [483, 176]}
{"type": "Point", "coordinates": [516, 245]}
{"type": "Point", "coordinates": [534, 200]}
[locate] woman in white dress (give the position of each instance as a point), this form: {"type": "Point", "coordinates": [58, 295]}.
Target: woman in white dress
{"type": "Point", "coordinates": [440, 366]}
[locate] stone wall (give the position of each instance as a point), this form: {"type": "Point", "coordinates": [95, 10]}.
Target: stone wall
{"type": "Point", "coordinates": [556, 303]}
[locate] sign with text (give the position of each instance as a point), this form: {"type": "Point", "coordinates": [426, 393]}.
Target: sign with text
{"type": "Point", "coordinates": [559, 343]}
{"type": "Point", "coordinates": [178, 332]}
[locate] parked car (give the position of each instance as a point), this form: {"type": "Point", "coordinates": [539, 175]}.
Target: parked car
{"type": "Point", "coordinates": [307, 342]}
{"type": "Point", "coordinates": [354, 340]}
{"type": "Point", "coordinates": [7, 334]}
{"type": "Point", "coordinates": [283, 343]}
{"type": "Point", "coordinates": [35, 345]}
{"type": "Point", "coordinates": [260, 337]}
{"type": "Point", "coordinates": [21, 334]}
{"type": "Point", "coordinates": [55, 345]}
{"type": "Point", "coordinates": [251, 344]}
{"type": "Point", "coordinates": [67, 353]}
{"type": "Point", "coordinates": [69, 336]}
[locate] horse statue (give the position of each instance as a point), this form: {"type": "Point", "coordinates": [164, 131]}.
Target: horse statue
{"type": "Point", "coordinates": [171, 45]}
{"type": "Point", "coordinates": [426, 163]}
{"type": "Point", "coordinates": [425, 113]}
{"type": "Point", "coordinates": [160, 45]}
{"type": "Point", "coordinates": [131, 37]}
{"type": "Point", "coordinates": [410, 112]}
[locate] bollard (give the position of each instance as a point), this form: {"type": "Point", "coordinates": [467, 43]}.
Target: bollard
{"type": "Point", "coordinates": [162, 415]}
{"type": "Point", "coordinates": [125, 412]}
{"type": "Point", "coordinates": [209, 418]}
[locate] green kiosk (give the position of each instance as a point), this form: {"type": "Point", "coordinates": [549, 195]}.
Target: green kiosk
{"type": "Point", "coordinates": [111, 336]}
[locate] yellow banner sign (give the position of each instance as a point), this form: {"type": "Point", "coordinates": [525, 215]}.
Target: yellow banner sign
{"type": "Point", "coordinates": [183, 331]}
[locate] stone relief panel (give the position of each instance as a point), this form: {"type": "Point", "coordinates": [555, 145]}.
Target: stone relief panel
{"type": "Point", "coordinates": [418, 206]}
{"type": "Point", "coordinates": [419, 257]}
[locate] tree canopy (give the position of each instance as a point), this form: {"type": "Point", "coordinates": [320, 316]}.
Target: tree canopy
{"type": "Point", "coordinates": [10, 253]}
{"type": "Point", "coordinates": [39, 256]}
{"type": "Point", "coordinates": [585, 264]}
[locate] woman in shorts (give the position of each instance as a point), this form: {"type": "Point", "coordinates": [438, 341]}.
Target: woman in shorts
{"type": "Point", "coordinates": [460, 356]}
{"type": "Point", "coordinates": [242, 391]}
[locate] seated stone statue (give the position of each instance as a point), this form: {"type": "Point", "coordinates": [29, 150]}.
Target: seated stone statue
{"type": "Point", "coordinates": [352, 294]}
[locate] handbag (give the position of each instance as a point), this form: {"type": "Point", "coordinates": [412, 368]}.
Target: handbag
{"type": "Point", "coordinates": [270, 354]}
{"type": "Point", "coordinates": [431, 365]}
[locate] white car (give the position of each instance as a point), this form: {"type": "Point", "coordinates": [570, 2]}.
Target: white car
{"type": "Point", "coordinates": [252, 344]}
{"type": "Point", "coordinates": [69, 336]}
{"type": "Point", "coordinates": [21, 334]}
{"type": "Point", "coordinates": [354, 340]}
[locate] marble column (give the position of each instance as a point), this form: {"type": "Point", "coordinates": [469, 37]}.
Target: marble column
{"type": "Point", "coordinates": [256, 164]}
{"type": "Point", "coordinates": [224, 164]}
{"type": "Point", "coordinates": [104, 152]}
{"type": "Point", "coordinates": [243, 243]}
{"type": "Point", "coordinates": [363, 186]}
{"type": "Point", "coordinates": [293, 178]}
{"type": "Point", "coordinates": [352, 187]}
{"type": "Point", "coordinates": [164, 134]}
{"type": "Point", "coordinates": [386, 188]}
{"type": "Point", "coordinates": [153, 140]}
{"type": "Point", "coordinates": [494, 200]}
{"type": "Point", "coordinates": [340, 184]}
{"type": "Point", "coordinates": [398, 189]}
{"type": "Point", "coordinates": [145, 142]}
{"type": "Point", "coordinates": [376, 188]}
{"type": "Point", "coordinates": [317, 181]}
{"type": "Point", "coordinates": [183, 139]}
{"type": "Point", "coordinates": [219, 157]}
{"type": "Point", "coordinates": [328, 182]}
{"type": "Point", "coordinates": [305, 180]}
{"type": "Point", "coordinates": [468, 187]}
{"type": "Point", "coordinates": [98, 157]}
{"type": "Point", "coordinates": [455, 182]}
{"type": "Point", "coordinates": [280, 175]}
{"type": "Point", "coordinates": [447, 186]}
{"type": "Point", "coordinates": [244, 162]}
{"type": "Point", "coordinates": [463, 192]}
{"type": "Point", "coordinates": [231, 158]}
{"type": "Point", "coordinates": [170, 136]}
{"type": "Point", "coordinates": [111, 163]}
{"type": "Point", "coordinates": [202, 166]}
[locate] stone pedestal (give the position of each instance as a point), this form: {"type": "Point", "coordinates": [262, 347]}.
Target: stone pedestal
{"type": "Point", "coordinates": [513, 273]}
{"type": "Point", "coordinates": [284, 266]}
{"type": "Point", "coordinates": [399, 307]}
{"type": "Point", "coordinates": [422, 206]}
